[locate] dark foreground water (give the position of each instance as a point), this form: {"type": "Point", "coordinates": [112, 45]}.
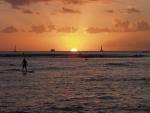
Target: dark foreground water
{"type": "Point", "coordinates": [75, 85]}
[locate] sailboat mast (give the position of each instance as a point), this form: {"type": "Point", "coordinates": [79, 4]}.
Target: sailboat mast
{"type": "Point", "coordinates": [101, 49]}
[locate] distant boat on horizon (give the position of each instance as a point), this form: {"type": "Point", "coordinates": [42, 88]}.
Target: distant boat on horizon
{"type": "Point", "coordinates": [53, 50]}
{"type": "Point", "coordinates": [101, 49]}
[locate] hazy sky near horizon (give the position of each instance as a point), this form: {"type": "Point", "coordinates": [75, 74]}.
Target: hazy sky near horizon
{"type": "Point", "coordinates": [40, 25]}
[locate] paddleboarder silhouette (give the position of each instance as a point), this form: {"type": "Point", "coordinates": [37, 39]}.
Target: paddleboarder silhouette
{"type": "Point", "coordinates": [24, 65]}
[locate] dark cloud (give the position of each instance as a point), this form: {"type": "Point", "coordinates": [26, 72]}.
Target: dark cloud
{"type": "Point", "coordinates": [142, 26]}
{"type": "Point", "coordinates": [85, 1]}
{"type": "Point", "coordinates": [27, 11]}
{"type": "Point", "coordinates": [51, 28]}
{"type": "Point", "coordinates": [38, 29]}
{"type": "Point", "coordinates": [17, 3]}
{"type": "Point", "coordinates": [109, 11]}
{"type": "Point", "coordinates": [78, 1]}
{"type": "Point", "coordinates": [42, 28]}
{"type": "Point", "coordinates": [68, 10]}
{"type": "Point", "coordinates": [122, 26]}
{"type": "Point", "coordinates": [9, 29]}
{"type": "Point", "coordinates": [131, 10]}
{"type": "Point", "coordinates": [127, 26]}
{"type": "Point", "coordinates": [67, 29]}
{"type": "Point", "coordinates": [97, 30]}
{"type": "Point", "coordinates": [127, 10]}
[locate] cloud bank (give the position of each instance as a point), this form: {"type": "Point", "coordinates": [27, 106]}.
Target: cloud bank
{"type": "Point", "coordinates": [68, 10]}
{"type": "Point", "coordinates": [122, 26]}
{"type": "Point", "coordinates": [9, 29]}
{"type": "Point", "coordinates": [18, 3]}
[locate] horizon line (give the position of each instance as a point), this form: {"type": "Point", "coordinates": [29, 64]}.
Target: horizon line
{"type": "Point", "coordinates": [77, 51]}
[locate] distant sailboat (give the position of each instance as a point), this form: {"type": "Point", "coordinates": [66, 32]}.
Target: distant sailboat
{"type": "Point", "coordinates": [101, 49]}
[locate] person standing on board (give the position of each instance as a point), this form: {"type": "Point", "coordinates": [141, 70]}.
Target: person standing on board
{"type": "Point", "coordinates": [24, 65]}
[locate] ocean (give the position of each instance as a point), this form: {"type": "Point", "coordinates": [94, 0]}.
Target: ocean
{"type": "Point", "coordinates": [76, 85]}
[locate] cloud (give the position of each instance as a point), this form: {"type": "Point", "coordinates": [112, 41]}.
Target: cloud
{"type": "Point", "coordinates": [27, 11]}
{"type": "Point", "coordinates": [122, 26]}
{"type": "Point", "coordinates": [42, 29]}
{"type": "Point", "coordinates": [51, 28]}
{"type": "Point", "coordinates": [127, 10]}
{"type": "Point", "coordinates": [127, 26]}
{"type": "Point", "coordinates": [109, 11]}
{"type": "Point", "coordinates": [67, 29]}
{"type": "Point", "coordinates": [78, 1]}
{"type": "Point", "coordinates": [142, 26]}
{"type": "Point", "coordinates": [68, 10]}
{"type": "Point", "coordinates": [97, 30]}
{"type": "Point", "coordinates": [38, 29]}
{"type": "Point", "coordinates": [9, 29]}
{"type": "Point", "coordinates": [131, 10]}
{"type": "Point", "coordinates": [85, 1]}
{"type": "Point", "coordinates": [17, 3]}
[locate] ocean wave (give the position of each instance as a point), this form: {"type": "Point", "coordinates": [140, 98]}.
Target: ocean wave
{"type": "Point", "coordinates": [118, 64]}
{"type": "Point", "coordinates": [116, 79]}
{"type": "Point", "coordinates": [68, 108]}
{"type": "Point", "coordinates": [108, 97]}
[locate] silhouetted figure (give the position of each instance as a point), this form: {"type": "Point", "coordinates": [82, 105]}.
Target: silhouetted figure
{"type": "Point", "coordinates": [24, 65]}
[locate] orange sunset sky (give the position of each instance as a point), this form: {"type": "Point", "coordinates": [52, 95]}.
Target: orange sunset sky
{"type": "Point", "coordinates": [40, 25]}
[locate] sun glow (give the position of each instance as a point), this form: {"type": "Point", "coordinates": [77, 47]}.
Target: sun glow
{"type": "Point", "coordinates": [74, 50]}
{"type": "Point", "coordinates": [74, 40]}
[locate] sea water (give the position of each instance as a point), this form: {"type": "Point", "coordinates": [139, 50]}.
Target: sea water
{"type": "Point", "coordinates": [75, 85]}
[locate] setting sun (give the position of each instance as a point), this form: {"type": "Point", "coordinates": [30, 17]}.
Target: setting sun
{"type": "Point", "coordinates": [74, 50]}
